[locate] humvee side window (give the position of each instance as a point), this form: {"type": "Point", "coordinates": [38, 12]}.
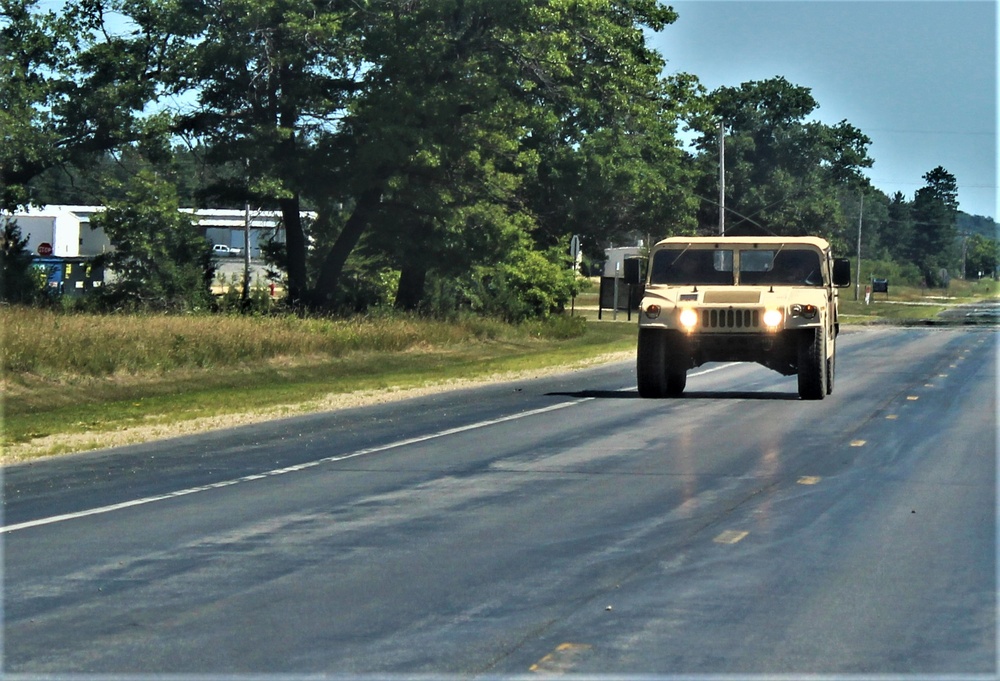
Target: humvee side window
{"type": "Point", "coordinates": [795, 267]}
{"type": "Point", "coordinates": [691, 267]}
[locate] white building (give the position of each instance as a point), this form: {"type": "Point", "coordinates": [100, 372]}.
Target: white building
{"type": "Point", "coordinates": [229, 227]}
{"type": "Point", "coordinates": [67, 231]}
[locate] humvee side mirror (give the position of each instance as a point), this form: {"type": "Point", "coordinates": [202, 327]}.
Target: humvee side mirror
{"type": "Point", "coordinates": [841, 272]}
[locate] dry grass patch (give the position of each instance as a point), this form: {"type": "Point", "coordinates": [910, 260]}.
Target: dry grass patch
{"type": "Point", "coordinates": [74, 382]}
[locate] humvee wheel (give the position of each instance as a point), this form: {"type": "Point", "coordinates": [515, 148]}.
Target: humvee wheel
{"type": "Point", "coordinates": [812, 365]}
{"type": "Point", "coordinates": [676, 374]}
{"type": "Point", "coordinates": [831, 368]}
{"type": "Point", "coordinates": [676, 380]}
{"type": "Point", "coordinates": [651, 363]}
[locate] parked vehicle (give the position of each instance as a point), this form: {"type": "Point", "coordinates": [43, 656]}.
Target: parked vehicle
{"type": "Point", "coordinates": [224, 251]}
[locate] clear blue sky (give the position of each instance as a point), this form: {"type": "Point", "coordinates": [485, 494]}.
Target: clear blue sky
{"type": "Point", "coordinates": [918, 77]}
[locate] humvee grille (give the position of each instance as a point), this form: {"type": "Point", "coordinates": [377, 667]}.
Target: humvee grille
{"type": "Point", "coordinates": [730, 319]}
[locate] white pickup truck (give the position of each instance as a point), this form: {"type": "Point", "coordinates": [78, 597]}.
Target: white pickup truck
{"type": "Point", "coordinates": [223, 251]}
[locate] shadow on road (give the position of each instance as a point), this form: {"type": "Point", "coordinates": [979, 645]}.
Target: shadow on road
{"type": "Point", "coordinates": [741, 395]}
{"type": "Point", "coordinates": [694, 395]}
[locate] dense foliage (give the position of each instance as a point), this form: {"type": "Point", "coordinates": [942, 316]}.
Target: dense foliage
{"type": "Point", "coordinates": [447, 148]}
{"type": "Point", "coordinates": [160, 259]}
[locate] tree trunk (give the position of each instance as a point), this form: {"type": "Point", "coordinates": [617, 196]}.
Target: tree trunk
{"type": "Point", "coordinates": [410, 293]}
{"type": "Point", "coordinates": [326, 285]}
{"type": "Point", "coordinates": [295, 250]}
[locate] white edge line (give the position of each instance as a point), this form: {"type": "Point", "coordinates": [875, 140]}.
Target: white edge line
{"type": "Point", "coordinates": [309, 464]}
{"type": "Point", "coordinates": [290, 469]}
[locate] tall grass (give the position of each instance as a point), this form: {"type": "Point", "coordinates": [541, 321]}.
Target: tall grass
{"type": "Point", "coordinates": [51, 343]}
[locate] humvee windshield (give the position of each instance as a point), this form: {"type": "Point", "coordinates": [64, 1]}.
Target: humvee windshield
{"type": "Point", "coordinates": [786, 267]}
{"type": "Point", "coordinates": [791, 267]}
{"type": "Point", "coordinates": [691, 267]}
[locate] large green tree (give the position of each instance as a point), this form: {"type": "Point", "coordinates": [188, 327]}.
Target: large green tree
{"type": "Point", "coordinates": [74, 88]}
{"type": "Point", "coordinates": [548, 120]}
{"type": "Point", "coordinates": [398, 118]}
{"type": "Point", "coordinates": [445, 128]}
{"type": "Point", "coordinates": [261, 85]}
{"type": "Point", "coordinates": [935, 213]}
{"type": "Point", "coordinates": [898, 233]}
{"type": "Point", "coordinates": [161, 261]}
{"type": "Point", "coordinates": [982, 257]}
{"type": "Point", "coordinates": [35, 48]}
{"type": "Point", "coordinates": [783, 171]}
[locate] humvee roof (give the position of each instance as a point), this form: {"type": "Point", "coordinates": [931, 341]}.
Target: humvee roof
{"type": "Point", "coordinates": [819, 243]}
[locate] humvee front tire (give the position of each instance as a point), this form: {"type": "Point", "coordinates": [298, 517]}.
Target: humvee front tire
{"type": "Point", "coordinates": [812, 365]}
{"type": "Point", "coordinates": [660, 369]}
{"type": "Point", "coordinates": [676, 365]}
{"type": "Point", "coordinates": [651, 363]}
{"type": "Point", "coordinates": [831, 368]}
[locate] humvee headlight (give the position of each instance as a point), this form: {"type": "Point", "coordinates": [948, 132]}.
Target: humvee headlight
{"type": "Point", "coordinates": [806, 311]}
{"type": "Point", "coordinates": [652, 311]}
{"type": "Point", "coordinates": [772, 318]}
{"type": "Point", "coordinates": [688, 318]}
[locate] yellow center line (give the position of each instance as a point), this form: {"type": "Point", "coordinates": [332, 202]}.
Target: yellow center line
{"type": "Point", "coordinates": [730, 537]}
{"type": "Point", "coordinates": [560, 660]}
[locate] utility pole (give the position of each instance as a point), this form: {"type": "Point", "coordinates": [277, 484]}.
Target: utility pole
{"type": "Point", "coordinates": [965, 253]}
{"type": "Point", "coordinates": [857, 276]}
{"type": "Point", "coordinates": [722, 178]}
{"type": "Point", "coordinates": [245, 291]}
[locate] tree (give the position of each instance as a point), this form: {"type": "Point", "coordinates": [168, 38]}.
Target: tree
{"type": "Point", "coordinates": [899, 230]}
{"type": "Point", "coordinates": [624, 180]}
{"type": "Point", "coordinates": [397, 119]}
{"type": "Point", "coordinates": [160, 260]}
{"type": "Point", "coordinates": [782, 171]}
{"type": "Point", "coordinates": [31, 49]}
{"type": "Point", "coordinates": [935, 212]}
{"type": "Point", "coordinates": [270, 80]}
{"type": "Point", "coordinates": [556, 130]}
{"type": "Point", "coordinates": [73, 89]}
{"type": "Point", "coordinates": [610, 165]}
{"type": "Point", "coordinates": [445, 127]}
{"type": "Point", "coordinates": [982, 256]}
{"type": "Point", "coordinates": [19, 281]}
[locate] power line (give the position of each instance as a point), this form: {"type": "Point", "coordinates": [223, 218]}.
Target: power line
{"type": "Point", "coordinates": [916, 184]}
{"type": "Point", "coordinates": [930, 132]}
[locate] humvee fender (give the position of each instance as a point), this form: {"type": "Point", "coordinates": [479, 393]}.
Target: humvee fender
{"type": "Point", "coordinates": [770, 300]}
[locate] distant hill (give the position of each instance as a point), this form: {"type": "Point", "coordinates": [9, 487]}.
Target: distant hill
{"type": "Point", "coordinates": [978, 224]}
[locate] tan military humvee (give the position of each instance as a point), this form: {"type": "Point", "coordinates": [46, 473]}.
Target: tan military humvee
{"type": "Point", "coordinates": [770, 300]}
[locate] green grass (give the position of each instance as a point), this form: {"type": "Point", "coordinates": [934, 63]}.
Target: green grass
{"type": "Point", "coordinates": [70, 380]}
{"type": "Point", "coordinates": [911, 303]}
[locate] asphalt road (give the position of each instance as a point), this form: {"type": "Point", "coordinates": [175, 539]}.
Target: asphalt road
{"type": "Point", "coordinates": [551, 526]}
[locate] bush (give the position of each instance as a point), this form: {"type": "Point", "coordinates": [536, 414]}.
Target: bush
{"type": "Point", "coordinates": [898, 274]}
{"type": "Point", "coordinates": [529, 285]}
{"type": "Point", "coordinates": [160, 261]}
{"type": "Point", "coordinates": [21, 282]}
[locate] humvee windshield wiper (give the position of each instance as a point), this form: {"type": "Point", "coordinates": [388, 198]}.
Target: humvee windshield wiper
{"type": "Point", "coordinates": [679, 255]}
